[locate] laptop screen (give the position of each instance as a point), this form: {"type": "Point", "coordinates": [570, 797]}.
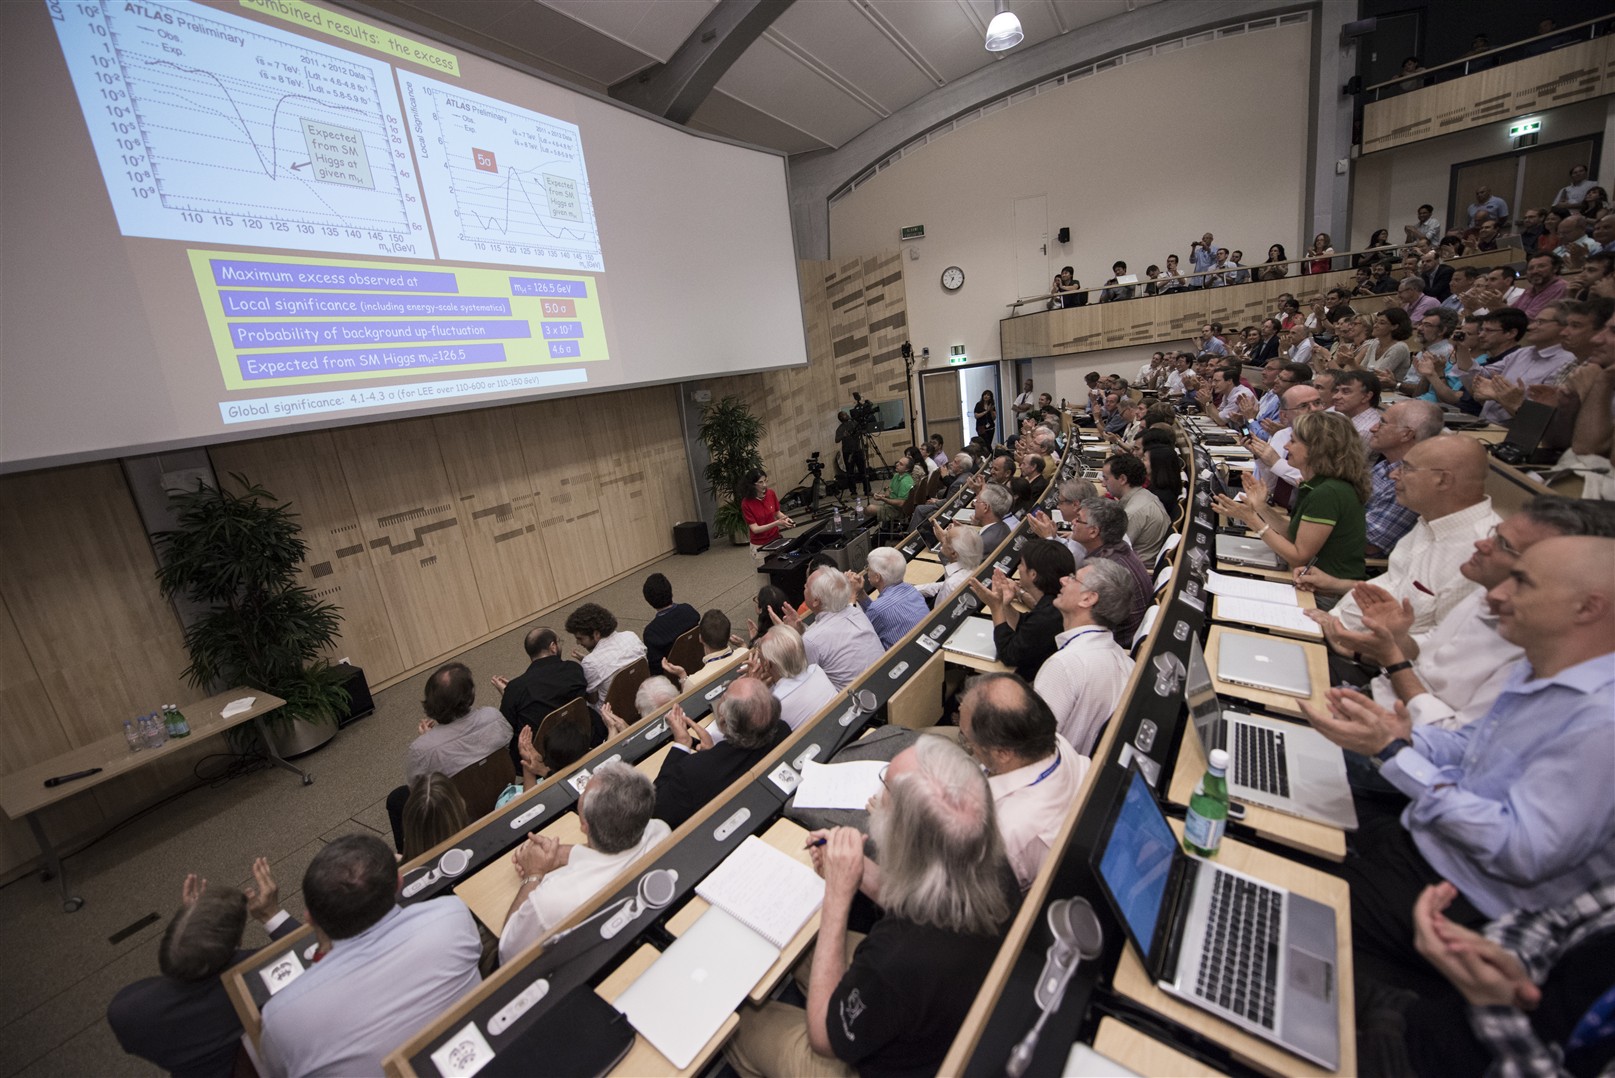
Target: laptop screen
{"type": "Point", "coordinates": [1136, 862]}
{"type": "Point", "coordinates": [1205, 710]}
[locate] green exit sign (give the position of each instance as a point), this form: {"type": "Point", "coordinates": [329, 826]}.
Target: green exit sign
{"type": "Point", "coordinates": [1524, 127]}
{"type": "Point", "coordinates": [911, 232]}
{"type": "Point", "coordinates": [958, 361]}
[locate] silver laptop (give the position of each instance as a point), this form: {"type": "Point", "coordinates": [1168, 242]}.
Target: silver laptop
{"type": "Point", "coordinates": [1264, 662]}
{"type": "Point", "coordinates": [974, 636]}
{"type": "Point", "coordinates": [1243, 550]}
{"type": "Point", "coordinates": [1259, 956]}
{"type": "Point", "coordinates": [688, 993]}
{"type": "Point", "coordinates": [1285, 766]}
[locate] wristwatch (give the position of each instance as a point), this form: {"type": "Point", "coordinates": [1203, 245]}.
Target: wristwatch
{"type": "Point", "coordinates": [1396, 668]}
{"type": "Point", "coordinates": [1383, 756]}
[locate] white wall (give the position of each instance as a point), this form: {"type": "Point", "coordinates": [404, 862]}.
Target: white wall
{"type": "Point", "coordinates": [1387, 187]}
{"type": "Point", "coordinates": [1137, 160]}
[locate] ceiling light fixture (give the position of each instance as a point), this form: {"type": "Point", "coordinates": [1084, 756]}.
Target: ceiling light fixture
{"type": "Point", "coordinates": [1004, 32]}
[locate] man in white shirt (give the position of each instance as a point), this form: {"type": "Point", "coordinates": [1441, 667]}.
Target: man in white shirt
{"type": "Point", "coordinates": [1443, 479]}
{"type": "Point", "coordinates": [1033, 772]}
{"type": "Point", "coordinates": [780, 662]}
{"type": "Point", "coordinates": [1125, 477]}
{"type": "Point", "coordinates": [387, 970]}
{"type": "Point", "coordinates": [1225, 382]}
{"type": "Point", "coordinates": [716, 651]}
{"type": "Point", "coordinates": [1025, 401]}
{"type": "Point", "coordinates": [1083, 680]}
{"type": "Point", "coordinates": [1540, 357]}
{"type": "Point", "coordinates": [840, 641]}
{"type": "Point", "coordinates": [602, 650]}
{"type": "Point", "coordinates": [1428, 226]}
{"type": "Point", "coordinates": [614, 814]}
{"type": "Point", "coordinates": [1357, 396]}
{"type": "Point", "coordinates": [1298, 344]}
{"type": "Point", "coordinates": [1573, 194]}
{"type": "Point", "coordinates": [961, 554]}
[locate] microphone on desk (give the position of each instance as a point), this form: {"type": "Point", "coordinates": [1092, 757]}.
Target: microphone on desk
{"type": "Point", "coordinates": [1077, 936]}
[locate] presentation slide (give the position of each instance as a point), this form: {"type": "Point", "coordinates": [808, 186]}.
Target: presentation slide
{"type": "Point", "coordinates": [273, 214]}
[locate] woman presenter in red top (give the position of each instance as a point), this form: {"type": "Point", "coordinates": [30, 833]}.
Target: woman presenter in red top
{"type": "Point", "coordinates": [760, 506]}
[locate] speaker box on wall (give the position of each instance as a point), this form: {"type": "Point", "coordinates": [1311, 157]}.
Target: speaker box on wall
{"type": "Point", "coordinates": [1064, 235]}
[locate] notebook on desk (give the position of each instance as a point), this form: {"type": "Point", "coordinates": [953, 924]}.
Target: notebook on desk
{"type": "Point", "coordinates": [1256, 955]}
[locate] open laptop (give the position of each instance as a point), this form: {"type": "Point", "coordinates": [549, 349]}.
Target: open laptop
{"type": "Point", "coordinates": [1242, 550]}
{"type": "Point", "coordinates": [1264, 662]}
{"type": "Point", "coordinates": [1256, 955]}
{"type": "Point", "coordinates": [1525, 432]}
{"type": "Point", "coordinates": [1285, 766]}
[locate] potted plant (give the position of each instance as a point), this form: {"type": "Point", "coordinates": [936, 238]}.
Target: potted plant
{"type": "Point", "coordinates": [236, 556]}
{"type": "Point", "coordinates": [730, 432]}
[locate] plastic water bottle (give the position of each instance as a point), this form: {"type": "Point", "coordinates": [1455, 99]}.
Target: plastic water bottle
{"type": "Point", "coordinates": [131, 735]}
{"type": "Point", "coordinates": [155, 738]}
{"type": "Point", "coordinates": [181, 727]}
{"type": "Point", "coordinates": [859, 507]}
{"type": "Point", "coordinates": [1207, 817]}
{"type": "Point", "coordinates": [835, 521]}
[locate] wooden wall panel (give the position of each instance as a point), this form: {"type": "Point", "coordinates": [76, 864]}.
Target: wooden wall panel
{"type": "Point", "coordinates": [643, 476]}
{"type": "Point", "coordinates": [303, 469]}
{"type": "Point", "coordinates": [498, 511]}
{"type": "Point", "coordinates": [1574, 73]}
{"type": "Point", "coordinates": [558, 443]}
{"type": "Point", "coordinates": [409, 523]}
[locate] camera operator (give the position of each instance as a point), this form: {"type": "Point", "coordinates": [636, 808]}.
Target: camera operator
{"type": "Point", "coordinates": [850, 435]}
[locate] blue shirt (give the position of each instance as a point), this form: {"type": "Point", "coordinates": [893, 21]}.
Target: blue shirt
{"type": "Point", "coordinates": [1267, 408]}
{"type": "Point", "coordinates": [1517, 809]}
{"type": "Point", "coordinates": [1202, 260]}
{"type": "Point", "coordinates": [896, 610]}
{"type": "Point", "coordinates": [1387, 519]}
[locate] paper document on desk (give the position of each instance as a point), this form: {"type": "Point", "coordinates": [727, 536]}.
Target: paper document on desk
{"type": "Point", "coordinates": [839, 786]}
{"type": "Point", "coordinates": [767, 890]}
{"type": "Point", "coordinates": [1272, 615]}
{"type": "Point", "coordinates": [1241, 587]}
{"type": "Point", "coordinates": [236, 707]}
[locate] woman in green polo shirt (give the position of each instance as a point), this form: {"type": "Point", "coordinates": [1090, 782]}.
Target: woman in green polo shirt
{"type": "Point", "coordinates": [1327, 525]}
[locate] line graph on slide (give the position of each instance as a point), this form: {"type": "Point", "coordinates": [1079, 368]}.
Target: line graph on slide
{"type": "Point", "coordinates": [503, 183]}
{"type": "Point", "coordinates": [213, 128]}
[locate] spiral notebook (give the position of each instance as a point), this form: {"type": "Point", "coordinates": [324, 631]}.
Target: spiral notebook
{"type": "Point", "coordinates": [765, 889]}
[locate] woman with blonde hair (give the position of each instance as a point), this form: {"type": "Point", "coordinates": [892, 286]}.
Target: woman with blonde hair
{"type": "Point", "coordinates": [1327, 526]}
{"type": "Point", "coordinates": [435, 810]}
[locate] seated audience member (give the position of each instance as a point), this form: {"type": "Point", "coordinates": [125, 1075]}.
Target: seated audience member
{"type": "Point", "coordinates": [1442, 479]}
{"type": "Point", "coordinates": [780, 662]}
{"type": "Point", "coordinates": [561, 746]}
{"type": "Point", "coordinates": [1299, 347]}
{"type": "Point", "coordinates": [1148, 525]}
{"type": "Point", "coordinates": [1068, 498]}
{"type": "Point", "coordinates": [1404, 425]}
{"type": "Point", "coordinates": [1115, 292]}
{"type": "Point", "coordinates": [1325, 526]}
{"type": "Point", "coordinates": [1532, 989]}
{"type": "Point", "coordinates": [1356, 396]}
{"type": "Point", "coordinates": [1412, 298]}
{"type": "Point", "coordinates": [1538, 362]}
{"type": "Point", "coordinates": [183, 1020]}
{"type": "Point", "coordinates": [434, 811]}
{"type": "Point", "coordinates": [958, 467]}
{"type": "Point", "coordinates": [454, 734]}
{"type": "Point", "coordinates": [773, 606]}
{"type": "Point", "coordinates": [671, 620]}
{"type": "Point", "coordinates": [602, 648]}
{"type": "Point", "coordinates": [1229, 397]}
{"type": "Point", "coordinates": [897, 607]}
{"type": "Point", "coordinates": [614, 814]}
{"type": "Point", "coordinates": [1436, 276]}
{"type": "Point", "coordinates": [1515, 809]}
{"type": "Point", "coordinates": [716, 650]}
{"type": "Point", "coordinates": [388, 970]}
{"type": "Point", "coordinates": [892, 1002]}
{"type": "Point", "coordinates": [1025, 640]}
{"type": "Point", "coordinates": [1386, 352]}
{"type": "Point", "coordinates": [1100, 528]}
{"type": "Point", "coordinates": [1083, 680]}
{"type": "Point", "coordinates": [1433, 376]}
{"type": "Point", "coordinates": [1066, 291]}
{"type": "Point", "coordinates": [1454, 676]}
{"type": "Point", "coordinates": [1543, 285]}
{"type": "Point", "coordinates": [699, 769]}
{"type": "Point", "coordinates": [840, 641]}
{"type": "Point", "coordinates": [1351, 341]}
{"type": "Point", "coordinates": [1032, 770]}
{"type": "Point", "coordinates": [548, 682]}
{"type": "Point", "coordinates": [653, 694]}
{"type": "Point", "coordinates": [961, 554]}
{"type": "Point", "coordinates": [1166, 480]}
{"type": "Point", "coordinates": [994, 507]}
{"type": "Point", "coordinates": [891, 503]}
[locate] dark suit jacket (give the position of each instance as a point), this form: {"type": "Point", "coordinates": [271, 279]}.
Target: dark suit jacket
{"type": "Point", "coordinates": [545, 685]}
{"type": "Point", "coordinates": [665, 627]}
{"type": "Point", "coordinates": [189, 1028]}
{"type": "Point", "coordinates": [1266, 350]}
{"type": "Point", "coordinates": [689, 780]}
{"type": "Point", "coordinates": [992, 535]}
{"type": "Point", "coordinates": [1439, 283]}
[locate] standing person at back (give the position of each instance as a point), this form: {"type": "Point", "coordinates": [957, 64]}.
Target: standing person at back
{"type": "Point", "coordinates": [454, 735]}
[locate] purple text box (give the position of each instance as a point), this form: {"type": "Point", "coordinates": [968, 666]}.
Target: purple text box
{"type": "Point", "coordinates": [308, 364]}
{"type": "Point", "coordinates": [555, 330]}
{"type": "Point", "coordinates": [238, 274]}
{"type": "Point", "coordinates": [547, 286]}
{"type": "Point", "coordinates": [243, 304]}
{"type": "Point", "coordinates": [337, 334]}
{"type": "Point", "coordinates": [565, 349]}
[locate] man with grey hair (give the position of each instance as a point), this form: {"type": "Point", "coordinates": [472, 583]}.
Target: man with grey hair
{"type": "Point", "coordinates": [614, 814]}
{"type": "Point", "coordinates": [697, 769]}
{"type": "Point", "coordinates": [961, 554]}
{"type": "Point", "coordinates": [892, 1002]}
{"type": "Point", "coordinates": [780, 661]}
{"type": "Point", "coordinates": [1032, 770]}
{"type": "Point", "coordinates": [1410, 296]}
{"type": "Point", "coordinates": [1083, 680]}
{"type": "Point", "coordinates": [1069, 495]}
{"type": "Point", "coordinates": [898, 607]}
{"type": "Point", "coordinates": [993, 516]}
{"type": "Point", "coordinates": [653, 692]}
{"type": "Point", "coordinates": [1100, 528]}
{"type": "Point", "coordinates": [958, 466]}
{"type": "Point", "coordinates": [1402, 426]}
{"type": "Point", "coordinates": [841, 641]}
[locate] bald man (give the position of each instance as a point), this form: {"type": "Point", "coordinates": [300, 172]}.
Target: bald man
{"type": "Point", "coordinates": [1443, 480]}
{"type": "Point", "coordinates": [1516, 809]}
{"type": "Point", "coordinates": [697, 770]}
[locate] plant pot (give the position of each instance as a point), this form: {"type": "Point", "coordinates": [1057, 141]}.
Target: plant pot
{"type": "Point", "coordinates": [738, 538]}
{"type": "Point", "coordinates": [294, 739]}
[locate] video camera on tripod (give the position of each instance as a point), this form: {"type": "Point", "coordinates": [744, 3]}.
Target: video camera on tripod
{"type": "Point", "coordinates": [865, 416]}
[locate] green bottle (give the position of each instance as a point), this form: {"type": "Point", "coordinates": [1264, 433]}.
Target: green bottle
{"type": "Point", "coordinates": [1208, 808]}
